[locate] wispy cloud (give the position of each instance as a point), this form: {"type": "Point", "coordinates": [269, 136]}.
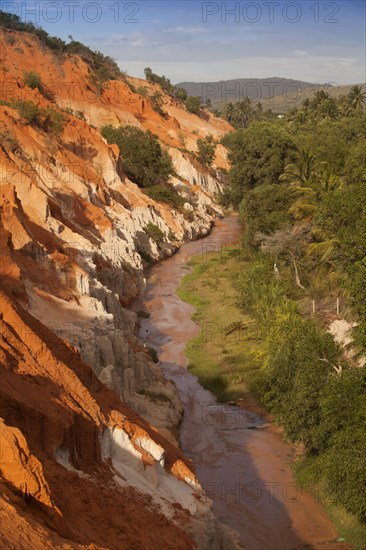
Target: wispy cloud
{"type": "Point", "coordinates": [187, 30]}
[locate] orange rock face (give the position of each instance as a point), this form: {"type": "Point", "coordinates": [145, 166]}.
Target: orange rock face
{"type": "Point", "coordinates": [79, 467]}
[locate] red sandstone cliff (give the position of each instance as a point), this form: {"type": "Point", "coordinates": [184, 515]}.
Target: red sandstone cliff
{"type": "Point", "coordinates": [79, 468]}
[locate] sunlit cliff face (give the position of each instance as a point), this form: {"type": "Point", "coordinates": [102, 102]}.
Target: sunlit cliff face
{"type": "Point", "coordinates": [73, 372]}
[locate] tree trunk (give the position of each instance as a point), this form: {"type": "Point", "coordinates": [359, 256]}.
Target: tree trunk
{"type": "Point", "coordinates": [297, 276]}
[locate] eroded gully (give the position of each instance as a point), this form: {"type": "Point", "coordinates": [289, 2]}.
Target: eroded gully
{"type": "Point", "coordinates": [245, 472]}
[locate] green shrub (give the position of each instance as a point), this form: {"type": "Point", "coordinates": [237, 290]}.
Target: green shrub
{"type": "Point", "coordinates": [10, 39]}
{"type": "Point", "coordinates": [156, 101]}
{"type": "Point", "coordinates": [80, 115]}
{"type": "Point", "coordinates": [180, 94]}
{"type": "Point", "coordinates": [155, 396]}
{"type": "Point", "coordinates": [33, 81]}
{"type": "Point", "coordinates": [143, 91]}
{"type": "Point", "coordinates": [142, 314]}
{"type": "Point", "coordinates": [193, 104]}
{"type": "Point", "coordinates": [188, 215]}
{"type": "Point", "coordinates": [99, 78]}
{"type": "Point", "coordinates": [160, 193]}
{"type": "Point", "coordinates": [183, 140]}
{"type": "Point", "coordinates": [155, 233]}
{"type": "Point", "coordinates": [206, 150]}
{"type": "Point", "coordinates": [29, 111]}
{"type": "Point", "coordinates": [154, 355]}
{"type": "Point", "coordinates": [145, 256]}
{"type": "Point", "coordinates": [49, 119]}
{"type": "Point", "coordinates": [144, 161]}
{"type": "Point", "coordinates": [265, 209]}
{"type": "Point", "coordinates": [341, 464]}
{"type": "Point", "coordinates": [54, 121]}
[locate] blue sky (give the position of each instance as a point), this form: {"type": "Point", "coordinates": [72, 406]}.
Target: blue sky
{"type": "Point", "coordinates": [316, 41]}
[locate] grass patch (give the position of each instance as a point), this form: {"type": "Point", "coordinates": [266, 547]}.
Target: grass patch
{"type": "Point", "coordinates": [225, 354]}
{"type": "Point", "coordinates": [348, 526]}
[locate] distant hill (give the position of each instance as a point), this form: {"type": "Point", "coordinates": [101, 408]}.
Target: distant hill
{"type": "Point", "coordinates": [280, 104]}
{"type": "Point", "coordinates": [254, 88]}
{"type": "Point", "coordinates": [278, 94]}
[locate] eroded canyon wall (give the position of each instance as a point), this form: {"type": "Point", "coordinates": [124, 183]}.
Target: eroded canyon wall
{"type": "Point", "coordinates": [79, 391]}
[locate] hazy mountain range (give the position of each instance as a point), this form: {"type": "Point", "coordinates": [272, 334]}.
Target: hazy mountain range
{"type": "Point", "coordinates": [278, 94]}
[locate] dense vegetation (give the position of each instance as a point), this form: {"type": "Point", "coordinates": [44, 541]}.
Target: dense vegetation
{"type": "Point", "coordinates": [163, 193]}
{"type": "Point", "coordinates": [48, 119]}
{"type": "Point", "coordinates": [193, 104]}
{"type": "Point", "coordinates": [144, 160]}
{"type": "Point", "coordinates": [166, 85]}
{"type": "Point", "coordinates": [242, 113]}
{"type": "Point", "coordinates": [300, 186]}
{"type": "Point", "coordinates": [206, 148]}
{"type": "Point", "coordinates": [155, 233]}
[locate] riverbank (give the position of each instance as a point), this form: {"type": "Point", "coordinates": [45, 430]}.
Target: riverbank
{"type": "Point", "coordinates": [245, 472]}
{"type": "Point", "coordinates": [226, 354]}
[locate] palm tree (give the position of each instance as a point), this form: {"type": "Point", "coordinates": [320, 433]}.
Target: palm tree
{"type": "Point", "coordinates": [229, 111]}
{"type": "Point", "coordinates": [327, 254]}
{"type": "Point", "coordinates": [344, 106]}
{"type": "Point", "coordinates": [357, 97]}
{"type": "Point", "coordinates": [300, 177]}
{"type": "Point", "coordinates": [300, 174]}
{"type": "Point", "coordinates": [322, 96]}
{"type": "Point", "coordinates": [319, 98]}
{"type": "Point", "coordinates": [242, 112]}
{"type": "Point", "coordinates": [327, 179]}
{"type": "Point", "coordinates": [327, 110]}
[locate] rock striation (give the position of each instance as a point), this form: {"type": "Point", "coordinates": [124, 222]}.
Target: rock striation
{"type": "Point", "coordinates": [81, 464]}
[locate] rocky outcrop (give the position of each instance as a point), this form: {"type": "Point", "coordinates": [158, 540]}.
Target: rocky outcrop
{"type": "Point", "coordinates": [77, 224]}
{"type": "Point", "coordinates": [79, 391]}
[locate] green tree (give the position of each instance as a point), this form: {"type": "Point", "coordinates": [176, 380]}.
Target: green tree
{"type": "Point", "coordinates": [29, 111]}
{"type": "Point", "coordinates": [193, 104]}
{"type": "Point", "coordinates": [356, 97]}
{"type": "Point", "coordinates": [99, 78]}
{"type": "Point", "coordinates": [141, 155]}
{"type": "Point", "coordinates": [206, 148]}
{"type": "Point", "coordinates": [180, 94]}
{"type": "Point", "coordinates": [342, 216]}
{"type": "Point", "coordinates": [258, 156]}
{"type": "Point", "coordinates": [33, 80]}
{"type": "Point", "coordinates": [264, 209]}
{"type": "Point", "coordinates": [302, 172]}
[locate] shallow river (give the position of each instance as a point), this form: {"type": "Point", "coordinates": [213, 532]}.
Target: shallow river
{"type": "Point", "coordinates": [245, 472]}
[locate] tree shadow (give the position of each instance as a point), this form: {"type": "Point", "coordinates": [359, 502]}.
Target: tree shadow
{"type": "Point", "coordinates": [82, 148]}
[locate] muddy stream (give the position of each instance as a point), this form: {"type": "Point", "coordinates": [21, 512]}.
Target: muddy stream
{"type": "Point", "coordinates": [243, 466]}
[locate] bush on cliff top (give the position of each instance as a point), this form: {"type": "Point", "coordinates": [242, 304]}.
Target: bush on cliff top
{"type": "Point", "coordinates": [144, 160]}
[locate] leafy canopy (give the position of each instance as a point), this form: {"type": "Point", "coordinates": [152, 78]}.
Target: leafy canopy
{"type": "Point", "coordinates": [144, 161]}
{"type": "Point", "coordinates": [258, 156]}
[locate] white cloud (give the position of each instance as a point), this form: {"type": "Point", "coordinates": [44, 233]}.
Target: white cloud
{"type": "Point", "coordinates": [186, 30]}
